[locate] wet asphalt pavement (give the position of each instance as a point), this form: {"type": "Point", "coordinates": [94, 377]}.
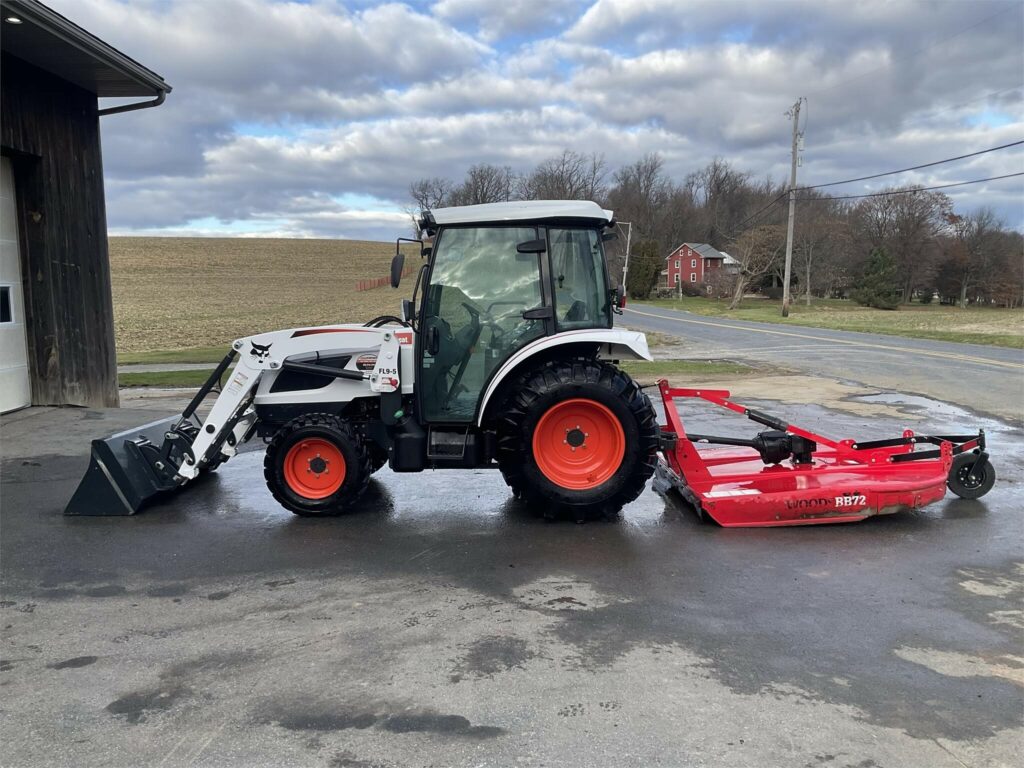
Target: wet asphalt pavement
{"type": "Point", "coordinates": [443, 624]}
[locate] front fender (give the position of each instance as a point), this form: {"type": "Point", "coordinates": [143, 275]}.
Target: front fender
{"type": "Point", "coordinates": [613, 344]}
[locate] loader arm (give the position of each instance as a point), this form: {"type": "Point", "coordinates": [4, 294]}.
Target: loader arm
{"type": "Point", "coordinates": [232, 417]}
{"type": "Point", "coordinates": [129, 469]}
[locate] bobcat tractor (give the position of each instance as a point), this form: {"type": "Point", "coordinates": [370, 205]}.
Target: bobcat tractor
{"type": "Point", "coordinates": [506, 357]}
{"type": "Point", "coordinates": [503, 358]}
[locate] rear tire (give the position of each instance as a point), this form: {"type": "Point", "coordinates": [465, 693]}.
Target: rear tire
{"type": "Point", "coordinates": [589, 406]}
{"type": "Point", "coordinates": [316, 465]}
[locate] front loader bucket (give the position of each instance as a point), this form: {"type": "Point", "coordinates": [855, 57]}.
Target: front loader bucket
{"type": "Point", "coordinates": [124, 472]}
{"type": "Point", "coordinates": [131, 468]}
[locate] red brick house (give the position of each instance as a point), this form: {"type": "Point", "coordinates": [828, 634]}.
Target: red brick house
{"type": "Point", "coordinates": [693, 263]}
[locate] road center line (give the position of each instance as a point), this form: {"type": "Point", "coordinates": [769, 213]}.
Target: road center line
{"type": "Point", "coordinates": [868, 345]}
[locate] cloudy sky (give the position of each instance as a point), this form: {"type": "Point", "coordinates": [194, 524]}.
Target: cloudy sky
{"type": "Point", "coordinates": [312, 118]}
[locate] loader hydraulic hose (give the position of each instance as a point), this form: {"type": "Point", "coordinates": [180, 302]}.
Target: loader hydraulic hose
{"type": "Point", "coordinates": [322, 370]}
{"type": "Point", "coordinates": [208, 385]}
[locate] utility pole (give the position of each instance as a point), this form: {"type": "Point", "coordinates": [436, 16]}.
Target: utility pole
{"type": "Point", "coordinates": [625, 264]}
{"type": "Point", "coordinates": [794, 113]}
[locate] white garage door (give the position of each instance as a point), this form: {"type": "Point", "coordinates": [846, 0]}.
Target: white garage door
{"type": "Point", "coordinates": [14, 390]}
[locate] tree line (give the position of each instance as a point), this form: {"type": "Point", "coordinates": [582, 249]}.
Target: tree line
{"type": "Point", "coordinates": [882, 251]}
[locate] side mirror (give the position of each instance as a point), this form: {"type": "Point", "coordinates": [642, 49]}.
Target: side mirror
{"type": "Point", "coordinates": [397, 267]}
{"type": "Point", "coordinates": [610, 235]}
{"type": "Point", "coordinates": [532, 246]}
{"type": "Point", "coordinates": [407, 310]}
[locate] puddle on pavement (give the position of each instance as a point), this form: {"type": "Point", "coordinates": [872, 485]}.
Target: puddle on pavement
{"type": "Point", "coordinates": [938, 412]}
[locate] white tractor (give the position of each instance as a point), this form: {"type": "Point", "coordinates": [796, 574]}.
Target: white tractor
{"type": "Point", "coordinates": [505, 357]}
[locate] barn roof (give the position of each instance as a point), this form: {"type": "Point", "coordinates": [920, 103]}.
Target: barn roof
{"type": "Point", "coordinates": [705, 251]}
{"type": "Point", "coordinates": [47, 40]}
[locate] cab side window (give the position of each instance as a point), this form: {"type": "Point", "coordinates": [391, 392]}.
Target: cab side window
{"type": "Point", "coordinates": [577, 271]}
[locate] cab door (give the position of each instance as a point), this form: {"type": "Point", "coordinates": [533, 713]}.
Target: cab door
{"type": "Point", "coordinates": [484, 301]}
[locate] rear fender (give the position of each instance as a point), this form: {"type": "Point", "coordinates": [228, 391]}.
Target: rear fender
{"type": "Point", "coordinates": [612, 344]}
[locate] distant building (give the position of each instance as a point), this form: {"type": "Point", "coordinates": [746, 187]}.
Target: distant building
{"type": "Point", "coordinates": [730, 264]}
{"type": "Point", "coordinates": [694, 263]}
{"type": "Point", "coordinates": [56, 311]}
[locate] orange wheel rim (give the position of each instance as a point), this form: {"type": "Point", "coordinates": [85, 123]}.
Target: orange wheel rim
{"type": "Point", "coordinates": [314, 468]}
{"type": "Point", "coordinates": [579, 444]}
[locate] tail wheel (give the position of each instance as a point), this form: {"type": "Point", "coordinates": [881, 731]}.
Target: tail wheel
{"type": "Point", "coordinates": [577, 436]}
{"type": "Point", "coordinates": [316, 465]}
{"type": "Point", "coordinates": [970, 478]}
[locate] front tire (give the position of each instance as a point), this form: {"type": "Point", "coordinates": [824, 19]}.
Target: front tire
{"type": "Point", "coordinates": [316, 465]}
{"type": "Point", "coordinates": [578, 437]}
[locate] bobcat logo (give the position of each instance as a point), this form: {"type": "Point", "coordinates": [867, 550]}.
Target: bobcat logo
{"type": "Point", "coordinates": [259, 351]}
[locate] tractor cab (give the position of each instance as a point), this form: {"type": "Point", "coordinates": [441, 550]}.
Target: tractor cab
{"type": "Point", "coordinates": [497, 279]}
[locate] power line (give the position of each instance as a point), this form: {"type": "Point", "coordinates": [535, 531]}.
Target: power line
{"type": "Point", "coordinates": [915, 167]}
{"type": "Point", "coordinates": [911, 191]}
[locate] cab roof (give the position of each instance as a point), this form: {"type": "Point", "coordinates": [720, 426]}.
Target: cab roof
{"type": "Point", "coordinates": [519, 210]}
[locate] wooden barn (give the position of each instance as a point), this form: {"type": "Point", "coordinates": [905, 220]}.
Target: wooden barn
{"type": "Point", "coordinates": [56, 313]}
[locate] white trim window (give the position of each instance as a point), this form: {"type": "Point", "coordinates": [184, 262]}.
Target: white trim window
{"type": "Point", "coordinates": [693, 263]}
{"type": "Point", "coordinates": [693, 277]}
{"type": "Point", "coordinates": [677, 263]}
{"type": "Point", "coordinates": [677, 278]}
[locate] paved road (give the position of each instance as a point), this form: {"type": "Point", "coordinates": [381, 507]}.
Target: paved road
{"type": "Point", "coordinates": [981, 378]}
{"type": "Point", "coordinates": [441, 623]}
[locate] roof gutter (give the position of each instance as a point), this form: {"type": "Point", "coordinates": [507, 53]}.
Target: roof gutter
{"type": "Point", "coordinates": [132, 107]}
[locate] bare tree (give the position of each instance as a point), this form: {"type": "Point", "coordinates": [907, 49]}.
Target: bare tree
{"type": "Point", "coordinates": [757, 250]}
{"type": "Point", "coordinates": [970, 253]}
{"type": "Point", "coordinates": [1005, 282]}
{"type": "Point", "coordinates": [430, 193]}
{"type": "Point", "coordinates": [569, 176]}
{"type": "Point", "coordinates": [908, 226]}
{"type": "Point", "coordinates": [485, 183]}
{"type": "Point", "coordinates": [723, 196]}
{"type": "Point", "coordinates": [820, 232]}
{"type": "Point", "coordinates": [427, 194]}
{"type": "Point", "coordinates": [641, 194]}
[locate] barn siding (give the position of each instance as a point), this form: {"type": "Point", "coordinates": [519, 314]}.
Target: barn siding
{"type": "Point", "coordinates": [51, 132]}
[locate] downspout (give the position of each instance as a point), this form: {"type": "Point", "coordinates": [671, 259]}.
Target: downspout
{"type": "Point", "coordinates": [132, 107]}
